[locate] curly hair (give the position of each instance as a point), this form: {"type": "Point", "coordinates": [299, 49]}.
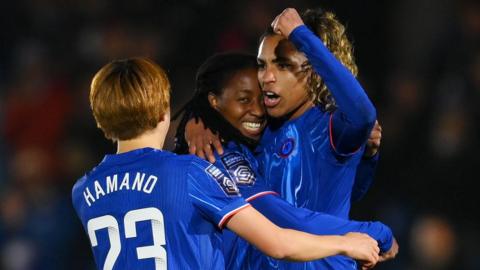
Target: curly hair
{"type": "Point", "coordinates": [326, 26]}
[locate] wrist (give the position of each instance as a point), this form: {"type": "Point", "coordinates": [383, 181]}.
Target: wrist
{"type": "Point", "coordinates": [295, 29]}
{"type": "Point", "coordinates": [343, 246]}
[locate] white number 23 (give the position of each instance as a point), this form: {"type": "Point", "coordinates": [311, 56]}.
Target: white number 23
{"type": "Point", "coordinates": [131, 218]}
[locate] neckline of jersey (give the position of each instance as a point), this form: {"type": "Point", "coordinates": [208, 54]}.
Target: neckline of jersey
{"type": "Point", "coordinates": [128, 156]}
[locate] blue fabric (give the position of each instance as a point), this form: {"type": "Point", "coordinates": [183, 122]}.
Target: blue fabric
{"type": "Point", "coordinates": [285, 215]}
{"type": "Point", "coordinates": [364, 177]}
{"type": "Point", "coordinates": [240, 164]}
{"type": "Point", "coordinates": [310, 174]}
{"type": "Point", "coordinates": [311, 161]}
{"type": "Point", "coordinates": [355, 115]}
{"type": "Point", "coordinates": [190, 194]}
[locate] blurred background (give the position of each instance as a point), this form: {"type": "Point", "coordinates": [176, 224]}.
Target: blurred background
{"type": "Point", "coordinates": [419, 61]}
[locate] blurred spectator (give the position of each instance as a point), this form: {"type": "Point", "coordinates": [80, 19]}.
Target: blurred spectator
{"type": "Point", "coordinates": [434, 244]}
{"type": "Point", "coordinates": [37, 105]}
{"type": "Point", "coordinates": [36, 219]}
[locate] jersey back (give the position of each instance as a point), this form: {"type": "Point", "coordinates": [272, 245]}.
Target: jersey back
{"type": "Point", "coordinates": [151, 209]}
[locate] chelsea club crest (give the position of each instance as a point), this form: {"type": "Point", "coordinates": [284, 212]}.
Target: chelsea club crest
{"type": "Point", "coordinates": [287, 147]}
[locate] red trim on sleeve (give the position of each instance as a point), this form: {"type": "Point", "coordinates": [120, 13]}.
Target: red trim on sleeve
{"type": "Point", "coordinates": [261, 194]}
{"type": "Point", "coordinates": [330, 130]}
{"type": "Point", "coordinates": [331, 133]}
{"type": "Point", "coordinates": [230, 214]}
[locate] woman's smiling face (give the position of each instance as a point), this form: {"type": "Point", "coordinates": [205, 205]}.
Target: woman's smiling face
{"type": "Point", "coordinates": [241, 103]}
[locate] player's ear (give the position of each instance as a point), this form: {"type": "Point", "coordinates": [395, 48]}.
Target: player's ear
{"type": "Point", "coordinates": [213, 100]}
{"type": "Point", "coordinates": [165, 116]}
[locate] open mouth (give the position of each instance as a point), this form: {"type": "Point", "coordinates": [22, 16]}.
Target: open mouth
{"type": "Point", "coordinates": [270, 98]}
{"type": "Point", "coordinates": [253, 128]}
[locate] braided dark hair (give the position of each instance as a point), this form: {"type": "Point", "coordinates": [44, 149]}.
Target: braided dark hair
{"type": "Point", "coordinates": [211, 77]}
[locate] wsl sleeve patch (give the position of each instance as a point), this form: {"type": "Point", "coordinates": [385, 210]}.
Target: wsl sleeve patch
{"type": "Point", "coordinates": [239, 168]}
{"type": "Point", "coordinates": [228, 186]}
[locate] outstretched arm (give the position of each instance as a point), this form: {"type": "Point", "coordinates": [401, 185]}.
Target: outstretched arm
{"type": "Point", "coordinates": [352, 121]}
{"type": "Point", "coordinates": [293, 245]}
{"type": "Point", "coordinates": [217, 197]}
{"type": "Point", "coordinates": [286, 215]}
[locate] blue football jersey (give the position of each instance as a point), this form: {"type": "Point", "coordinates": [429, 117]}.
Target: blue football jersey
{"type": "Point", "coordinates": [311, 161]}
{"type": "Point", "coordinates": [241, 166]}
{"type": "Point", "coordinates": [152, 209]}
{"type": "Point", "coordinates": [298, 161]}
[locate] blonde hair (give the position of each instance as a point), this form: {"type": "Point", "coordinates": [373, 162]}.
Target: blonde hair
{"type": "Point", "coordinates": [326, 26]}
{"type": "Point", "coordinates": [129, 97]}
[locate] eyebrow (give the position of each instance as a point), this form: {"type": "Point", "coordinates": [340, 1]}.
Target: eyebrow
{"type": "Point", "coordinates": [281, 59]}
{"type": "Point", "coordinates": [246, 90]}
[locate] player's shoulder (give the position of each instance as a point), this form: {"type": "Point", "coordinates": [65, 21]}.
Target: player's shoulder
{"type": "Point", "coordinates": [145, 158]}
{"type": "Point", "coordinates": [78, 184]}
{"type": "Point", "coordinates": [190, 164]}
{"type": "Point", "coordinates": [168, 161]}
{"type": "Point", "coordinates": [167, 158]}
{"type": "Point", "coordinates": [184, 159]}
{"type": "Point", "coordinates": [315, 124]}
{"type": "Point", "coordinates": [81, 182]}
{"type": "Point", "coordinates": [315, 116]}
{"type": "Point", "coordinates": [235, 154]}
{"type": "Point", "coordinates": [195, 163]}
{"type": "Point", "coordinates": [199, 168]}
{"type": "Point", "coordinates": [77, 190]}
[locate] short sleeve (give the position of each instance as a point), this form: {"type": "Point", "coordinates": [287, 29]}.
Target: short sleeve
{"type": "Point", "coordinates": [213, 193]}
